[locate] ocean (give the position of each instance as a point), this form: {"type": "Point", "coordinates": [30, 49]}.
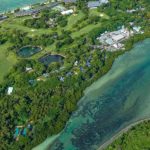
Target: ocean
{"type": "Point", "coordinates": [7, 5]}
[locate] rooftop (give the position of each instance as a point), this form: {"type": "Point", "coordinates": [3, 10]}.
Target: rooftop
{"type": "Point", "coordinates": [10, 90]}
{"type": "Point", "coordinates": [93, 4]}
{"type": "Point", "coordinates": [69, 1]}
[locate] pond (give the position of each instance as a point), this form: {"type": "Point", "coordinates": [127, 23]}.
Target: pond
{"type": "Point", "coordinates": [48, 59]}
{"type": "Point", "coordinates": [28, 51]}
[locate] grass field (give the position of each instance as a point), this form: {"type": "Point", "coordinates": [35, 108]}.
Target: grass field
{"type": "Point", "coordinates": [17, 23]}
{"type": "Point", "coordinates": [7, 60]}
{"type": "Point", "coordinates": [94, 12]}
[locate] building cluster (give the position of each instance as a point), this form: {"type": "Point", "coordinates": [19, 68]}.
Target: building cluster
{"type": "Point", "coordinates": [29, 11]}
{"type": "Point", "coordinates": [112, 41]}
{"type": "Point", "coordinates": [90, 4]}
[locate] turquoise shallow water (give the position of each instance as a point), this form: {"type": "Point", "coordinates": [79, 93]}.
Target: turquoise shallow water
{"type": "Point", "coordinates": [28, 51]}
{"type": "Point", "coordinates": [113, 102]}
{"type": "Point", "coordinates": [6, 5]}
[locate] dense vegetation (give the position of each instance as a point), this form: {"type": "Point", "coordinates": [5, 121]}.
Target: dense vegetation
{"type": "Point", "coordinates": [137, 137]}
{"type": "Point", "coordinates": [46, 20]}
{"type": "Point", "coordinates": [48, 104]}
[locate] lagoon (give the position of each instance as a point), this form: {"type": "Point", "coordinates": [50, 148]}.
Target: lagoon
{"type": "Point", "coordinates": [113, 102]}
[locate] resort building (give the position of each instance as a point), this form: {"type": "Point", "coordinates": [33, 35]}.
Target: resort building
{"type": "Point", "coordinates": [29, 12]}
{"type": "Point", "coordinates": [112, 41]}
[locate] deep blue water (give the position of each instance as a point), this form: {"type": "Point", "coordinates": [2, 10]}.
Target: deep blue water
{"type": "Point", "coordinates": [112, 103]}
{"type": "Point", "coordinates": [48, 59]}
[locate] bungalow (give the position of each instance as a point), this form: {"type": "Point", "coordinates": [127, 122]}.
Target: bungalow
{"type": "Point", "coordinates": [95, 4]}
{"type": "Point", "coordinates": [62, 79]}
{"type": "Point", "coordinates": [67, 12]}
{"type": "Point", "coordinates": [10, 90]}
{"type": "Point", "coordinates": [136, 29]}
{"type": "Point", "coordinates": [29, 69]}
{"type": "Point", "coordinates": [76, 63]}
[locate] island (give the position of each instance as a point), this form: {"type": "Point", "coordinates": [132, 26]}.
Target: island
{"type": "Point", "coordinates": [51, 52]}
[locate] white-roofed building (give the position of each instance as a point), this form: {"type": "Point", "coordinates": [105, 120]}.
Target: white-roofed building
{"type": "Point", "coordinates": [118, 37]}
{"type": "Point", "coordinates": [28, 69]}
{"type": "Point", "coordinates": [10, 90]}
{"type": "Point", "coordinates": [113, 40]}
{"type": "Point", "coordinates": [109, 41]}
{"type": "Point", "coordinates": [136, 29]}
{"type": "Point", "coordinates": [67, 12]}
{"type": "Point", "coordinates": [76, 63]}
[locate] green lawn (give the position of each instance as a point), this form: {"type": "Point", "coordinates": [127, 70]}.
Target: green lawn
{"type": "Point", "coordinates": [85, 30]}
{"type": "Point", "coordinates": [7, 60]}
{"type": "Point", "coordinates": [14, 24]}
{"type": "Point", "coordinates": [72, 19]}
{"type": "Point", "coordinates": [94, 12]}
{"type": "Point", "coordinates": [17, 23]}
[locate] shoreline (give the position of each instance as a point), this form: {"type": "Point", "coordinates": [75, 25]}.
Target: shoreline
{"type": "Point", "coordinates": [120, 133]}
{"type": "Point", "coordinates": [103, 146]}
{"type": "Point", "coordinates": [124, 129]}
{"type": "Point", "coordinates": [11, 10]}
